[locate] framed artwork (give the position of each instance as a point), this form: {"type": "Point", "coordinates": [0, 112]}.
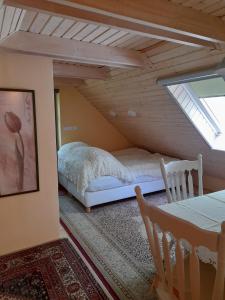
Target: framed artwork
{"type": "Point", "coordinates": [18, 142]}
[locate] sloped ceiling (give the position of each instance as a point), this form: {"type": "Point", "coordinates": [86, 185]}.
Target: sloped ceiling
{"type": "Point", "coordinates": [160, 125]}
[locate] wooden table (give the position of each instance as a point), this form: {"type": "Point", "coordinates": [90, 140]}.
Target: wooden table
{"type": "Point", "coordinates": [206, 211]}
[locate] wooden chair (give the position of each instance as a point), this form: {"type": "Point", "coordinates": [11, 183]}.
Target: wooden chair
{"type": "Point", "coordinates": [189, 279]}
{"type": "Point", "coordinates": [178, 178]}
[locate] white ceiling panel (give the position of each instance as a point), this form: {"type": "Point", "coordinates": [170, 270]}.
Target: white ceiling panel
{"type": "Point", "coordinates": [39, 22]}
{"type": "Point", "coordinates": [77, 27]}
{"type": "Point", "coordinates": [51, 25]}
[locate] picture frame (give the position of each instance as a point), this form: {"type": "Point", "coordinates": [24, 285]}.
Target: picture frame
{"type": "Point", "coordinates": [19, 170]}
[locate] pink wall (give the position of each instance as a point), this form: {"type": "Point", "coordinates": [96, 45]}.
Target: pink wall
{"type": "Point", "coordinates": [31, 219]}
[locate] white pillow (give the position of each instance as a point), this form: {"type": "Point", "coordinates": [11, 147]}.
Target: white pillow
{"type": "Point", "coordinates": [70, 146]}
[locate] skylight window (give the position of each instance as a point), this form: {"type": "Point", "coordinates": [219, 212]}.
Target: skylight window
{"type": "Point", "coordinates": [203, 102]}
{"type": "Point", "coordinates": [216, 108]}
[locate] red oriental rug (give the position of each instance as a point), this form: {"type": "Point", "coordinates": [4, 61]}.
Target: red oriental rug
{"type": "Point", "coordinates": [50, 271]}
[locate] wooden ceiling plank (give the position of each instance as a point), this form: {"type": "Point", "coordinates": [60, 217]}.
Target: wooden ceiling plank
{"type": "Point", "coordinates": [130, 41]}
{"type": "Point", "coordinates": [77, 27]}
{"type": "Point", "coordinates": [66, 70]}
{"type": "Point", "coordinates": [214, 7]}
{"type": "Point", "coordinates": [219, 12]}
{"type": "Point", "coordinates": [15, 20]}
{"type": "Point", "coordinates": [114, 37]}
{"type": "Point", "coordinates": [71, 50]}
{"type": "Point", "coordinates": [85, 32]}
{"type": "Point", "coordinates": [136, 43]}
{"type": "Point", "coordinates": [100, 30]}
{"type": "Point", "coordinates": [190, 3]}
{"type": "Point", "coordinates": [27, 20]}
{"type": "Point", "coordinates": [2, 12]}
{"type": "Point", "coordinates": [107, 34]}
{"type": "Point", "coordinates": [19, 23]}
{"type": "Point", "coordinates": [152, 49]}
{"type": "Point", "coordinates": [202, 5]}
{"type": "Point", "coordinates": [177, 1]}
{"type": "Point", "coordinates": [63, 27]}
{"type": "Point", "coordinates": [157, 20]}
{"type": "Point", "coordinates": [39, 22]}
{"type": "Point", "coordinates": [51, 25]}
{"type": "Point", "coordinates": [146, 44]}
{"type": "Point", "coordinates": [7, 21]}
{"type": "Point", "coordinates": [122, 40]}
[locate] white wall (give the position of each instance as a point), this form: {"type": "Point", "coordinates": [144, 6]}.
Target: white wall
{"type": "Point", "coordinates": [30, 219]}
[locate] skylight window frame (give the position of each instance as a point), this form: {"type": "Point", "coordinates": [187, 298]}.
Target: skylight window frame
{"type": "Point", "coordinates": [209, 135]}
{"type": "Point", "coordinates": [212, 120]}
{"type": "Point", "coordinates": [198, 115]}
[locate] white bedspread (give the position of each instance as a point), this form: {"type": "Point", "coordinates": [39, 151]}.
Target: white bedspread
{"type": "Point", "coordinates": [141, 162]}
{"type": "Point", "coordinates": [82, 164]}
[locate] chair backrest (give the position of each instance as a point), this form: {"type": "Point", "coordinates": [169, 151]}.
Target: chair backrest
{"type": "Point", "coordinates": [156, 219]}
{"type": "Point", "coordinates": [178, 178]}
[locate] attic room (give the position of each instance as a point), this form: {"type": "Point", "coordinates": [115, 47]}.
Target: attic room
{"type": "Point", "coordinates": [112, 149]}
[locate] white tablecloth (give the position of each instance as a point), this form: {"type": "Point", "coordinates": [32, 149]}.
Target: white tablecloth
{"type": "Point", "coordinates": [206, 211]}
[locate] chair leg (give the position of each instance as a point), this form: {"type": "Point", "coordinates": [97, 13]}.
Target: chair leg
{"type": "Point", "coordinates": [87, 209]}
{"type": "Point", "coordinates": [153, 285]}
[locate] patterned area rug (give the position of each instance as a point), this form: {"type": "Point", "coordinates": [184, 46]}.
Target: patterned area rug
{"type": "Point", "coordinates": [50, 271]}
{"type": "Point", "coordinates": [114, 237]}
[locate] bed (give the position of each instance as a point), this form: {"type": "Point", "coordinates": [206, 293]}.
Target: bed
{"type": "Point", "coordinates": [94, 176]}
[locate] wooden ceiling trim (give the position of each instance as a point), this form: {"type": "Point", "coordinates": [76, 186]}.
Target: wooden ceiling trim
{"type": "Point", "coordinates": [75, 82]}
{"type": "Point", "coordinates": [160, 13]}
{"type": "Point", "coordinates": [78, 71]}
{"type": "Point", "coordinates": [141, 27]}
{"type": "Point", "coordinates": [72, 50]}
